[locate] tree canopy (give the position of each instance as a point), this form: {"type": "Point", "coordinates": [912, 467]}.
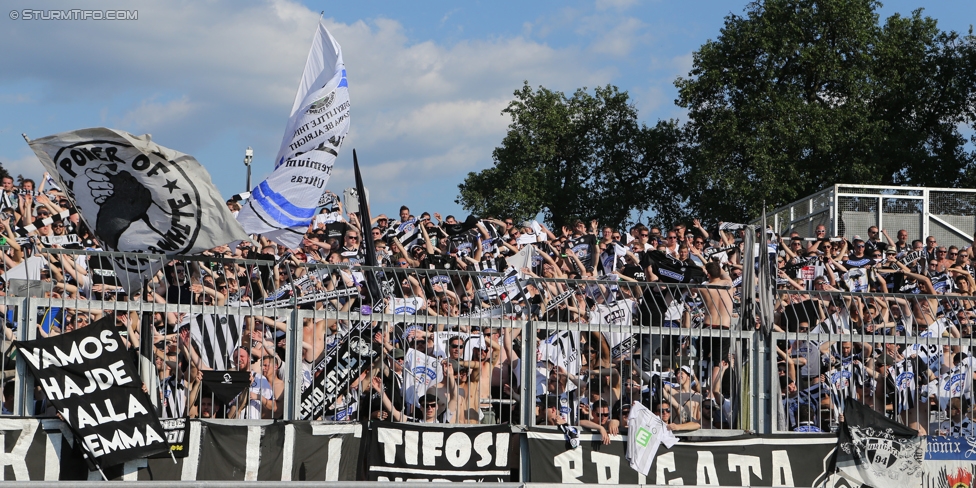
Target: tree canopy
{"type": "Point", "coordinates": [584, 156]}
{"type": "Point", "coordinates": [797, 95]}
{"type": "Point", "coordinates": [792, 96]}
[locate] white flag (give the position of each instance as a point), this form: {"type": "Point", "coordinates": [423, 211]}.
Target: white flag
{"type": "Point", "coordinates": [138, 196]}
{"type": "Point", "coordinates": [282, 206]}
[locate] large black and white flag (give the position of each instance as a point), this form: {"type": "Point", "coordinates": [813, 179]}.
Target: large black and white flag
{"type": "Point", "coordinates": [138, 196]}
{"type": "Point", "coordinates": [89, 377]}
{"type": "Point", "coordinates": [216, 337]}
{"type": "Point", "coordinates": [877, 451]}
{"type": "Point", "coordinates": [333, 374]}
{"type": "Point", "coordinates": [282, 206]}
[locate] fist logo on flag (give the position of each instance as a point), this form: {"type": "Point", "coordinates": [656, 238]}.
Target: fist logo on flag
{"type": "Point", "coordinates": [137, 195]}
{"type": "Point", "coordinates": [122, 201]}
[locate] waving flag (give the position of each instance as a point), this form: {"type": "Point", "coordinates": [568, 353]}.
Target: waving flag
{"type": "Point", "coordinates": [138, 197]}
{"type": "Point", "coordinates": [282, 206]}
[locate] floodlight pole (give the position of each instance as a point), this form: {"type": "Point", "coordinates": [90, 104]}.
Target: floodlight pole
{"type": "Point", "coordinates": [248, 156]}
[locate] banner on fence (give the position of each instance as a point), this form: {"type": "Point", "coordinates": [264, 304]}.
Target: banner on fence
{"type": "Point", "coordinates": [425, 452]}
{"type": "Point", "coordinates": [88, 376]}
{"type": "Point", "coordinates": [737, 461]}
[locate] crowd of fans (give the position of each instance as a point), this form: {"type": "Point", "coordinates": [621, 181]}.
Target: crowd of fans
{"type": "Point", "coordinates": [432, 366]}
{"type": "Point", "coordinates": [904, 289]}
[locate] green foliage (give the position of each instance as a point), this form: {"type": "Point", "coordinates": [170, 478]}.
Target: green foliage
{"type": "Point", "coordinates": [800, 94]}
{"type": "Point", "coordinates": [792, 97]}
{"type": "Point", "coordinates": [3, 172]}
{"type": "Point", "coordinates": [584, 156]}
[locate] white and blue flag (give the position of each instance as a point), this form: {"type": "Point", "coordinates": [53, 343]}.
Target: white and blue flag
{"type": "Point", "coordinates": [282, 206]}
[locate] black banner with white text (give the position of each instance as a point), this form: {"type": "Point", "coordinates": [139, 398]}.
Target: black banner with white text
{"type": "Point", "coordinates": [428, 452]}
{"type": "Point", "coordinates": [89, 377]}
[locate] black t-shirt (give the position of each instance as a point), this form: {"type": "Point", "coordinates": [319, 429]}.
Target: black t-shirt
{"type": "Point", "coordinates": [870, 246]}
{"type": "Point", "coordinates": [585, 248]}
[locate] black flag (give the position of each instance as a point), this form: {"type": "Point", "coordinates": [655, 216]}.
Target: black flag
{"type": "Point", "coordinates": [878, 451]}
{"type": "Point", "coordinates": [88, 375]}
{"type": "Point", "coordinates": [373, 279]}
{"type": "Point", "coordinates": [670, 270]}
{"type": "Point", "coordinates": [226, 385]}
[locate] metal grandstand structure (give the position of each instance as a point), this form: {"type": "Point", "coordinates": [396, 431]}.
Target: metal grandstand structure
{"type": "Point", "coordinates": [949, 214]}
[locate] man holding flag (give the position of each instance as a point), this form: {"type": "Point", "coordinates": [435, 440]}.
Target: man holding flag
{"type": "Point", "coordinates": [282, 206]}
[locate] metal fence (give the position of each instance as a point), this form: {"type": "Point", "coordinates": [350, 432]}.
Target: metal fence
{"type": "Point", "coordinates": [908, 356]}
{"type": "Point", "coordinates": [949, 214]}
{"type": "Point", "coordinates": [353, 343]}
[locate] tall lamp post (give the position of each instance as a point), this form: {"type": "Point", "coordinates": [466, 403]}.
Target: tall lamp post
{"type": "Point", "coordinates": [248, 155]}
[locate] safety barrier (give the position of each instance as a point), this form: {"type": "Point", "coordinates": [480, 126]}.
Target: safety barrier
{"type": "Point", "coordinates": [354, 343]}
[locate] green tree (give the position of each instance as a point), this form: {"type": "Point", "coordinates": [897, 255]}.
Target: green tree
{"type": "Point", "coordinates": [3, 172]}
{"type": "Point", "coordinates": [584, 156]}
{"type": "Point", "coordinates": [797, 95]}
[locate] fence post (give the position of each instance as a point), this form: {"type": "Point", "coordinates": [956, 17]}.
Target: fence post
{"type": "Point", "coordinates": [293, 358]}
{"type": "Point", "coordinates": [24, 393]}
{"type": "Point", "coordinates": [528, 373]}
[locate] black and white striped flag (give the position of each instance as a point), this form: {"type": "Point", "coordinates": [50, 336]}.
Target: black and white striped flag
{"type": "Point", "coordinates": [216, 337]}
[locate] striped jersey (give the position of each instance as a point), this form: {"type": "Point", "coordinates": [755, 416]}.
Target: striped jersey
{"type": "Point", "coordinates": [174, 398]}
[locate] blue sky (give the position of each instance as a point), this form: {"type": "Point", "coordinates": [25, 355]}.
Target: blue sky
{"type": "Point", "coordinates": [427, 80]}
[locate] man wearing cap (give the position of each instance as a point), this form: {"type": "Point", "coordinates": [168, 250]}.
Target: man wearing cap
{"type": "Point", "coordinates": [393, 381]}
{"type": "Point", "coordinates": [547, 410]}
{"type": "Point", "coordinates": [684, 401]}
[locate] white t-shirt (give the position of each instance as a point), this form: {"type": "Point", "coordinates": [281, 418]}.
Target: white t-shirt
{"type": "Point", "coordinates": [261, 386]}
{"type": "Point", "coordinates": [408, 306]}
{"type": "Point", "coordinates": [646, 433]}
{"type": "Point", "coordinates": [29, 269]}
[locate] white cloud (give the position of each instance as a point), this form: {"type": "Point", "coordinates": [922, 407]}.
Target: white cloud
{"type": "Point", "coordinates": [615, 4]}
{"type": "Point", "coordinates": [150, 113]}
{"type": "Point", "coordinates": [620, 39]}
{"type": "Point", "coordinates": [26, 164]}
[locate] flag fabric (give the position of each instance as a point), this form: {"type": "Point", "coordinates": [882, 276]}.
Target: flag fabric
{"type": "Point", "coordinates": [49, 182]}
{"type": "Point", "coordinates": [216, 337]}
{"type": "Point", "coordinates": [646, 432]}
{"type": "Point", "coordinates": [226, 385]}
{"type": "Point", "coordinates": [88, 376]}
{"type": "Point", "coordinates": [420, 373]}
{"type": "Point", "coordinates": [670, 270]}
{"type": "Point", "coordinates": [877, 451]}
{"type": "Point", "coordinates": [136, 195]}
{"type": "Point", "coordinates": [282, 206]}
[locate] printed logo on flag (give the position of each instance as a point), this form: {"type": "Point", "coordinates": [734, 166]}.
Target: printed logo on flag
{"type": "Point", "coordinates": [139, 198]}
{"type": "Point", "coordinates": [425, 371]}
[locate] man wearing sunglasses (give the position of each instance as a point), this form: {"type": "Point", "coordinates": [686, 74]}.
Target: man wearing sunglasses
{"type": "Point", "coordinates": [351, 247]}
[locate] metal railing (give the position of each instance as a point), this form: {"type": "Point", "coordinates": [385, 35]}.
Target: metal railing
{"type": "Point", "coordinates": [848, 210]}
{"type": "Point", "coordinates": [320, 346]}
{"type": "Point", "coordinates": [354, 343]}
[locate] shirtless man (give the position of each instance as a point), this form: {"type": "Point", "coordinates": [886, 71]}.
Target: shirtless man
{"type": "Point", "coordinates": [718, 316]}
{"type": "Point", "coordinates": [482, 365]}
